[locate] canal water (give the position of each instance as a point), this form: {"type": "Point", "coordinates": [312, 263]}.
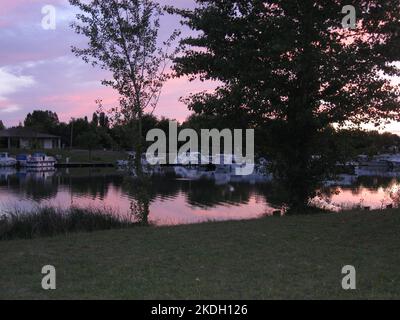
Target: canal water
{"type": "Point", "coordinates": [175, 201]}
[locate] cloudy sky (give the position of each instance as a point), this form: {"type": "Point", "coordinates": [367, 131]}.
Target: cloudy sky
{"type": "Point", "coordinates": [38, 70]}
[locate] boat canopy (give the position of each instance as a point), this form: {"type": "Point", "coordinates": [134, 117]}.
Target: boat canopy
{"type": "Point", "coordinates": [38, 155]}
{"type": "Point", "coordinates": [22, 157]}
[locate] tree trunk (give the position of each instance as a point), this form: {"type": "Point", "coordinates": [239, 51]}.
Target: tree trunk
{"type": "Point", "coordinates": [139, 147]}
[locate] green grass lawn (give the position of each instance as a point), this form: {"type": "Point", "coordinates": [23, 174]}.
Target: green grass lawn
{"type": "Point", "coordinates": [296, 257]}
{"type": "Point", "coordinates": [98, 156]}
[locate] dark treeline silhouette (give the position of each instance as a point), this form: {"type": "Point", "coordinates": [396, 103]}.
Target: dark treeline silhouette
{"type": "Point", "coordinates": [95, 133]}
{"type": "Point", "coordinates": [100, 133]}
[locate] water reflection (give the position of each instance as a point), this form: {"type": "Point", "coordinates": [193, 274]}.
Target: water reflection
{"type": "Point", "coordinates": [166, 200]}
{"type": "Point", "coordinates": [370, 192]}
{"type": "Point", "coordinates": [159, 199]}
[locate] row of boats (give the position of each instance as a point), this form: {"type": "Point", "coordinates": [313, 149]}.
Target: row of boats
{"type": "Point", "coordinates": [223, 167]}
{"type": "Point", "coordinates": [383, 161]}
{"type": "Point", "coordinates": [36, 160]}
{"type": "Point", "coordinates": [191, 165]}
{"type": "Point", "coordinates": [195, 166]}
{"type": "Point", "coordinates": [189, 158]}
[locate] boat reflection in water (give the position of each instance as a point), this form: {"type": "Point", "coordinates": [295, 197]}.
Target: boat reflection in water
{"type": "Point", "coordinates": [224, 169]}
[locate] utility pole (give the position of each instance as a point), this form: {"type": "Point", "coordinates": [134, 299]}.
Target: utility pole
{"type": "Point", "coordinates": [72, 133]}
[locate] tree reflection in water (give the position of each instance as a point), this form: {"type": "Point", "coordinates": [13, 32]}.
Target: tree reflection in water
{"type": "Point", "coordinates": [166, 195]}
{"type": "Point", "coordinates": [140, 203]}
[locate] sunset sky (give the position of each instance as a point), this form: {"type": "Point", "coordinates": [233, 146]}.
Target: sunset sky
{"type": "Point", "coordinates": [38, 70]}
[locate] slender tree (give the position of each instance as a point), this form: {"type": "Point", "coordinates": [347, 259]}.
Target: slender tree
{"type": "Point", "coordinates": [294, 65]}
{"type": "Point", "coordinates": [95, 120]}
{"type": "Point", "coordinates": [123, 39]}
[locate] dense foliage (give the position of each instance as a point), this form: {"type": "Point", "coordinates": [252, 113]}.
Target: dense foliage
{"type": "Point", "coordinates": [291, 66]}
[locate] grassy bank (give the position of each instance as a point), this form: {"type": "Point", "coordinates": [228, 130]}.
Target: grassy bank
{"type": "Point", "coordinates": [98, 156]}
{"type": "Point", "coordinates": [49, 221]}
{"type": "Point", "coordinates": [272, 258]}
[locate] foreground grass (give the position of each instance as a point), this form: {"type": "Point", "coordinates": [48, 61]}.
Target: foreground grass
{"type": "Point", "coordinates": [296, 257]}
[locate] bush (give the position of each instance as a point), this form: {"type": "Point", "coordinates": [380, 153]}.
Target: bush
{"type": "Point", "coordinates": [48, 221]}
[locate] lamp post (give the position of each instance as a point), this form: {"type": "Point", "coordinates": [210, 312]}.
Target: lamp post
{"type": "Point", "coordinates": [72, 133]}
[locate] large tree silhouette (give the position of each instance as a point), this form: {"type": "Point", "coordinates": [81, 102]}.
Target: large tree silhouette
{"type": "Point", "coordinates": [291, 64]}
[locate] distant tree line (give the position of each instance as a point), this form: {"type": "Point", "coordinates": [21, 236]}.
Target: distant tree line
{"type": "Point", "coordinates": [95, 133]}
{"type": "Point", "coordinates": [101, 133]}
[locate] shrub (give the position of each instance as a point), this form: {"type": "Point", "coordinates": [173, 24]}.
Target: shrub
{"type": "Point", "coordinates": [49, 221]}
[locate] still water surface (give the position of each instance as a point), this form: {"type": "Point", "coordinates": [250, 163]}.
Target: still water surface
{"type": "Point", "coordinates": [172, 201]}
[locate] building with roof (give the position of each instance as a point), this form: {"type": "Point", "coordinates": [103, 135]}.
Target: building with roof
{"type": "Point", "coordinates": [24, 138]}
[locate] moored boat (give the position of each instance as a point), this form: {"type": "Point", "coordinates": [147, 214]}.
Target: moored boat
{"type": "Point", "coordinates": [40, 160]}
{"type": "Point", "coordinates": [22, 159]}
{"type": "Point", "coordinates": [6, 160]}
{"type": "Point", "coordinates": [192, 173]}
{"type": "Point", "coordinates": [192, 158]}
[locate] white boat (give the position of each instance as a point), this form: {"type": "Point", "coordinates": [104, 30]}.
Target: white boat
{"type": "Point", "coordinates": [192, 173]}
{"type": "Point", "coordinates": [375, 164]}
{"type": "Point", "coordinates": [158, 159]}
{"type": "Point", "coordinates": [192, 158]}
{"type": "Point", "coordinates": [372, 172]}
{"type": "Point", "coordinates": [392, 159]}
{"type": "Point", "coordinates": [145, 158]}
{"type": "Point", "coordinates": [40, 160]}
{"type": "Point", "coordinates": [147, 168]}
{"type": "Point", "coordinates": [236, 166]}
{"type": "Point", "coordinates": [6, 160]}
